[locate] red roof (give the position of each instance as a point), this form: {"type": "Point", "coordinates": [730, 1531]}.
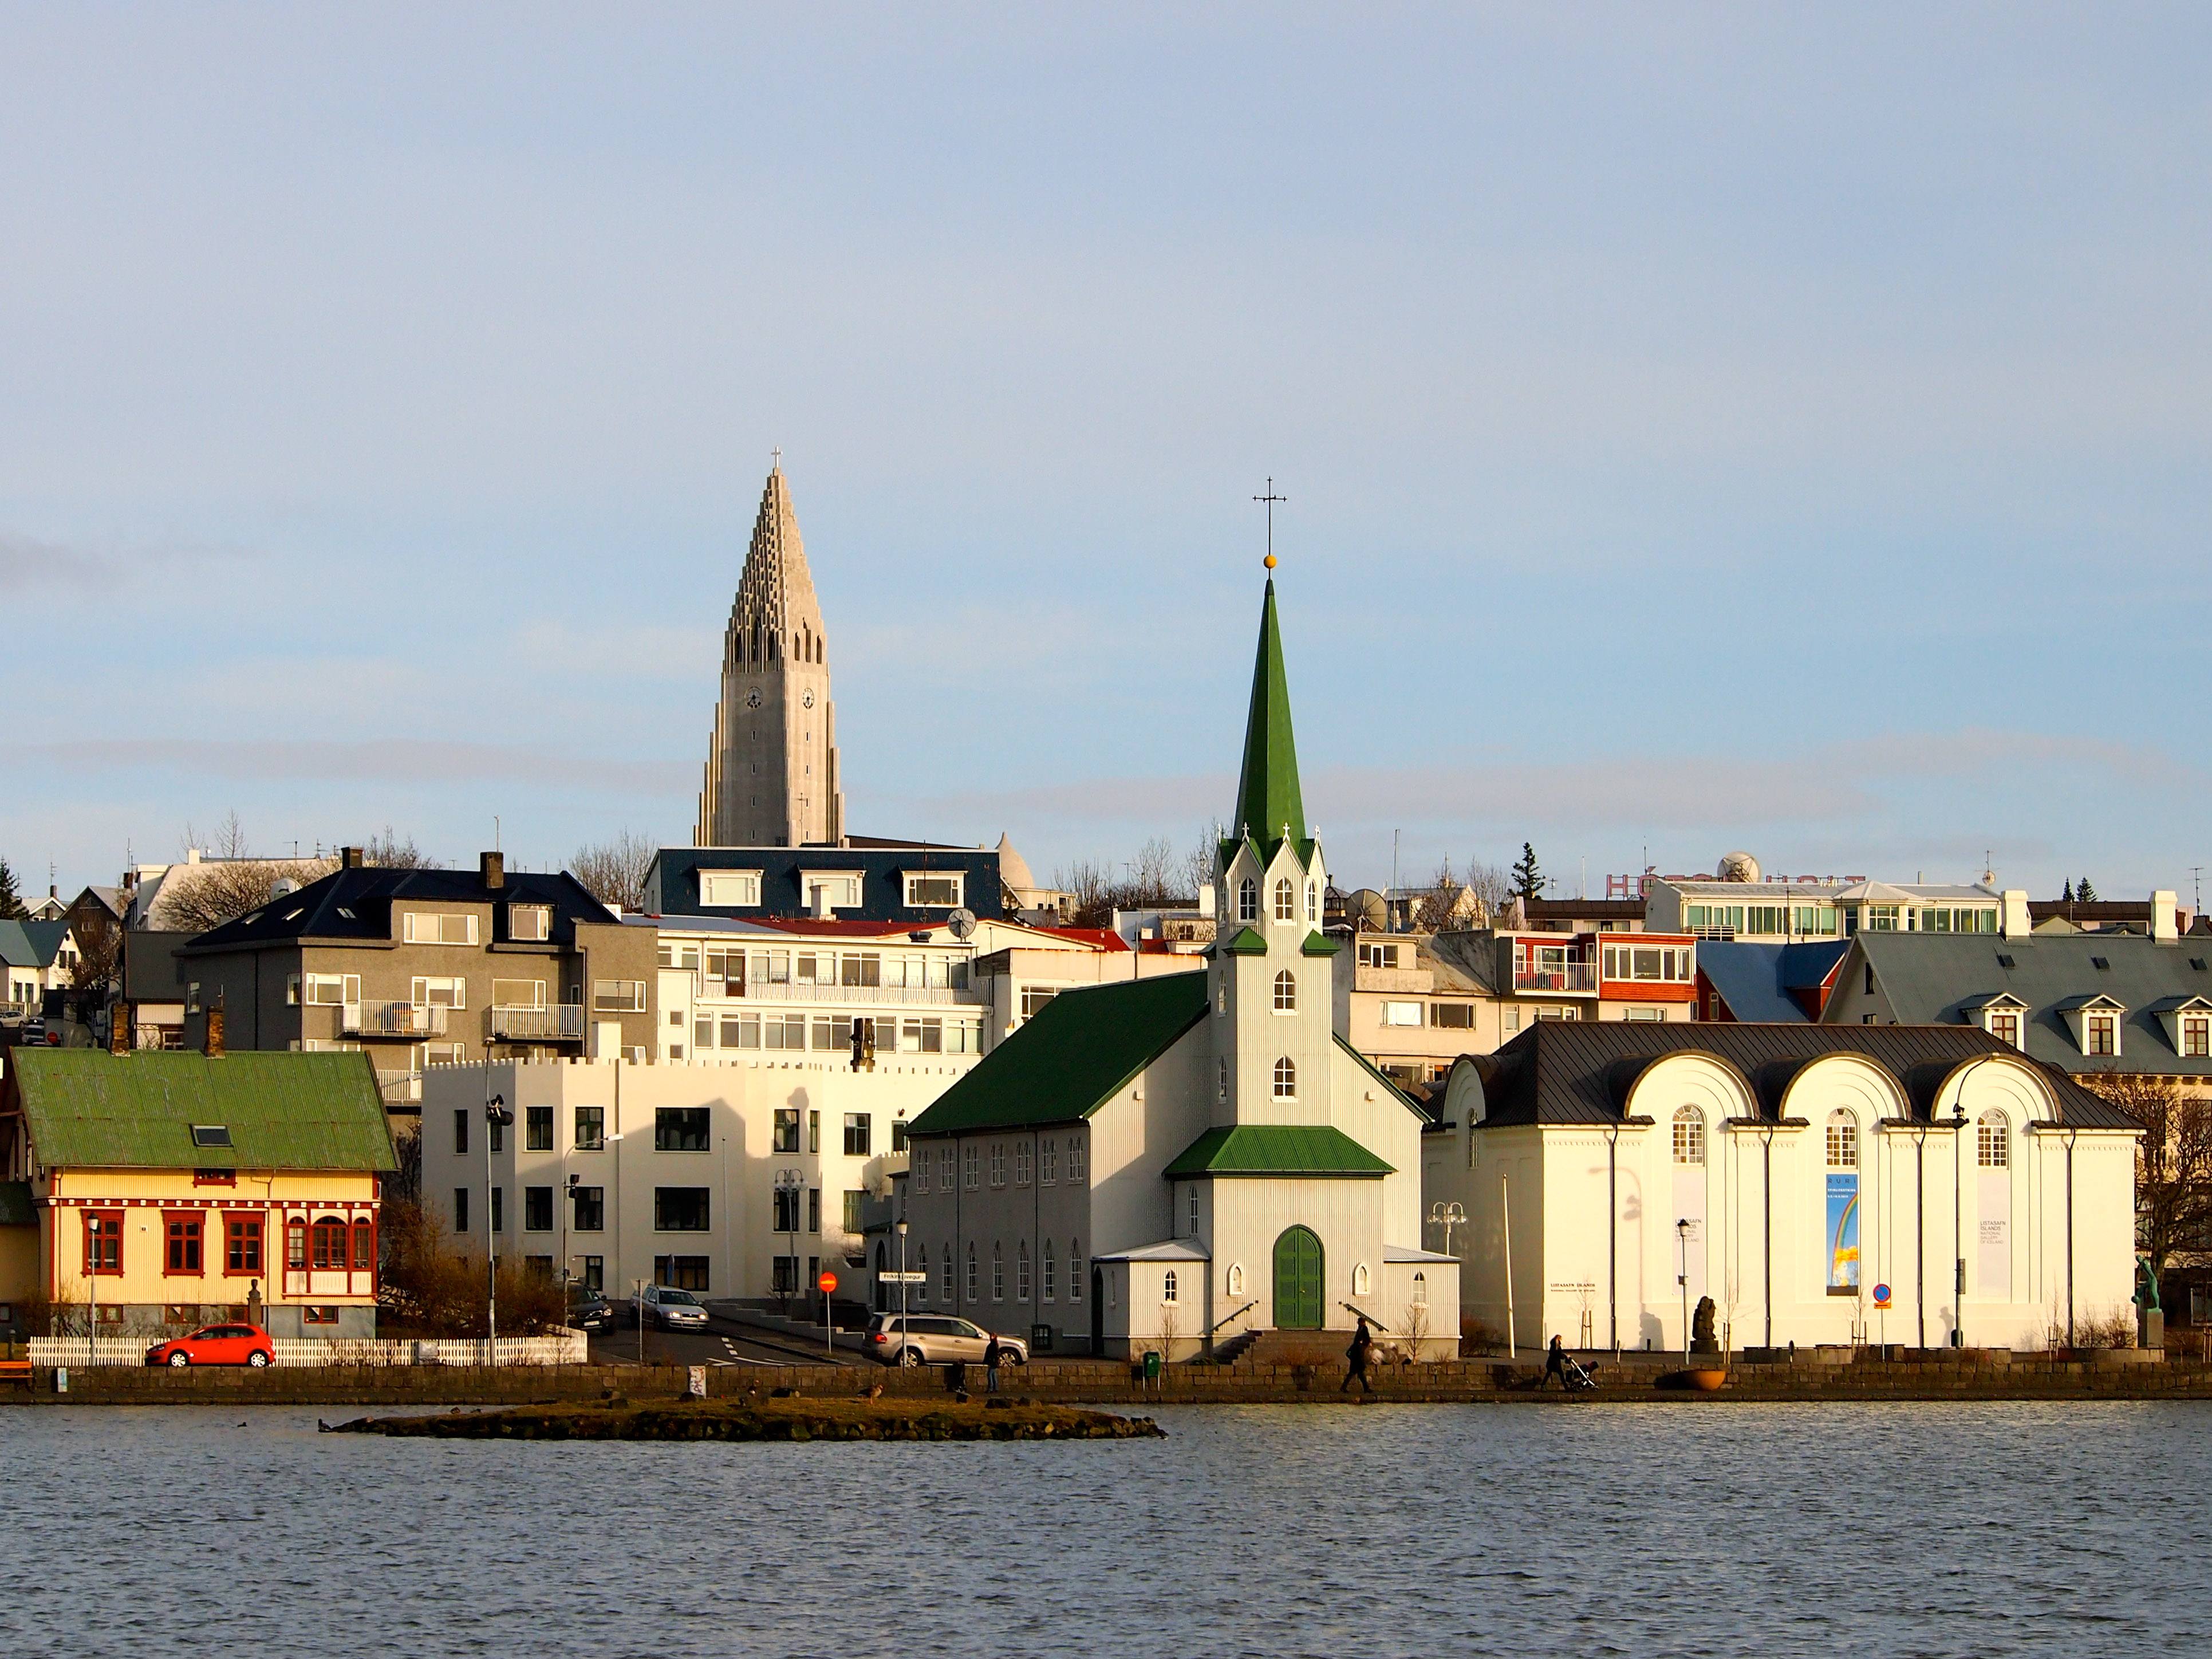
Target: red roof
{"type": "Point", "coordinates": [1105, 939]}
{"type": "Point", "coordinates": [841, 928]}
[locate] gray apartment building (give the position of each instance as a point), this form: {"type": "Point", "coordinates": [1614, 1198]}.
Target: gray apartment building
{"type": "Point", "coordinates": [421, 966]}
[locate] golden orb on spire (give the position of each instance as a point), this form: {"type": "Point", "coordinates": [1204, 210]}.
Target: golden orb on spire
{"type": "Point", "coordinates": [1269, 562]}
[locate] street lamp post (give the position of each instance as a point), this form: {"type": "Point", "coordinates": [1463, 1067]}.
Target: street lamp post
{"type": "Point", "coordinates": [496, 1117]}
{"type": "Point", "coordinates": [1682, 1278]}
{"type": "Point", "coordinates": [787, 1182]}
{"type": "Point", "coordinates": [1447, 1215]}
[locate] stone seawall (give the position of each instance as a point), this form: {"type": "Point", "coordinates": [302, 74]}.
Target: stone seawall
{"type": "Point", "coordinates": [1941, 1374]}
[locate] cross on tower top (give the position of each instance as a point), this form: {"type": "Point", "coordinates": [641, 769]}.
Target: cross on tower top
{"type": "Point", "coordinates": [1271, 498]}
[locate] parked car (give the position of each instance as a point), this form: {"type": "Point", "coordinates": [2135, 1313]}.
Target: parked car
{"type": "Point", "coordinates": [216, 1345]}
{"type": "Point", "coordinates": [936, 1340]}
{"type": "Point", "coordinates": [673, 1310]}
{"type": "Point", "coordinates": [591, 1312]}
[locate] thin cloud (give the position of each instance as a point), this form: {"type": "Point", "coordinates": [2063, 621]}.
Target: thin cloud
{"type": "Point", "coordinates": [394, 760]}
{"type": "Point", "coordinates": [26, 562]}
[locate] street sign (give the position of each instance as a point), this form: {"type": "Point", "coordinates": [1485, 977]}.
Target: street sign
{"type": "Point", "coordinates": [1881, 1295]}
{"type": "Point", "coordinates": [902, 1278]}
{"type": "Point", "coordinates": [827, 1282]}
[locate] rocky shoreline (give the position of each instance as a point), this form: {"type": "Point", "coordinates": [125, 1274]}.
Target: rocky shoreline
{"type": "Point", "coordinates": [794, 1418]}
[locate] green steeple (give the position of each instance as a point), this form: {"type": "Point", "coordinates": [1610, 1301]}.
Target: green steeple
{"type": "Point", "coordinates": [1268, 793]}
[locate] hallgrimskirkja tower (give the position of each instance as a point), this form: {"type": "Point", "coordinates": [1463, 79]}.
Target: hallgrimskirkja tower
{"type": "Point", "coordinates": [772, 776]}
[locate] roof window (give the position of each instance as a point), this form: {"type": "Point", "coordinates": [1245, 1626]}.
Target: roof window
{"type": "Point", "coordinates": [2101, 963]}
{"type": "Point", "coordinates": [210, 1135]}
{"type": "Point", "coordinates": [2198, 962]}
{"type": "Point", "coordinates": [293, 916]}
{"type": "Point", "coordinates": [2005, 960]}
{"type": "Point", "coordinates": [347, 914]}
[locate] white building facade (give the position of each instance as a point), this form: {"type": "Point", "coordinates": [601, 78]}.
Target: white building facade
{"type": "Point", "coordinates": [1792, 1173]}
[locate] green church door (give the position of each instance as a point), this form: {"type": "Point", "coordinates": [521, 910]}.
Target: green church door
{"type": "Point", "coordinates": [1297, 1280]}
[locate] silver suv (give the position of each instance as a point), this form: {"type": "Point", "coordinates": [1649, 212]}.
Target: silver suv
{"type": "Point", "coordinates": [937, 1339]}
{"type": "Point", "coordinates": [673, 1310]}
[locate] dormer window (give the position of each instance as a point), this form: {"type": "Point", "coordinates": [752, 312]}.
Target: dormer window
{"type": "Point", "coordinates": [2000, 1016]}
{"type": "Point", "coordinates": [2100, 1034]}
{"type": "Point", "coordinates": [2004, 1026]}
{"type": "Point", "coordinates": [1287, 901]}
{"type": "Point", "coordinates": [2095, 1023]}
{"type": "Point", "coordinates": [2188, 1023]}
{"type": "Point", "coordinates": [529, 923]}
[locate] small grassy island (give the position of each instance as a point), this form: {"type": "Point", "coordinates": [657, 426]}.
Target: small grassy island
{"type": "Point", "coordinates": [754, 1418]}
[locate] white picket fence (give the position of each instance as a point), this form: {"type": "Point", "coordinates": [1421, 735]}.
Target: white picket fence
{"type": "Point", "coordinates": [566, 1348]}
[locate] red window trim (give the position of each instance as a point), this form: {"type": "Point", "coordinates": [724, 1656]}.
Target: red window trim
{"type": "Point", "coordinates": [319, 1259]}
{"type": "Point", "coordinates": [195, 1219]}
{"type": "Point", "coordinates": [363, 1261]}
{"type": "Point", "coordinates": [296, 1233]}
{"type": "Point", "coordinates": [111, 1227]}
{"type": "Point", "coordinates": [260, 1222]}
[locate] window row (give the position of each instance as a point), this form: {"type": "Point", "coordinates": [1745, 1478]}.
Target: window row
{"type": "Point", "coordinates": [1286, 901]}
{"type": "Point", "coordinates": [189, 1250]}
{"type": "Point", "coordinates": [1047, 1282]}
{"type": "Point", "coordinates": [732, 973]}
{"type": "Point", "coordinates": [832, 1034]}
{"type": "Point", "coordinates": [1840, 1139]}
{"type": "Point", "coordinates": [965, 1164]}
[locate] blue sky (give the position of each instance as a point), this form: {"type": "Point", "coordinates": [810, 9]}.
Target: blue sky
{"type": "Point", "coordinates": [1703, 426]}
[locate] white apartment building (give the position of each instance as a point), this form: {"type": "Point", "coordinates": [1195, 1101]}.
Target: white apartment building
{"type": "Point", "coordinates": [737, 1177]}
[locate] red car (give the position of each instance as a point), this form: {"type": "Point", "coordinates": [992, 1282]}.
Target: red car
{"type": "Point", "coordinates": [216, 1345]}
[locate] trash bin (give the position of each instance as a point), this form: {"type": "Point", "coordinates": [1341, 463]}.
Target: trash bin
{"type": "Point", "coordinates": [1152, 1366]}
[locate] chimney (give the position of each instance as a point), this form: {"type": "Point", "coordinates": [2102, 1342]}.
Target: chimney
{"type": "Point", "coordinates": [494, 866]}
{"type": "Point", "coordinates": [2012, 915]}
{"type": "Point", "coordinates": [214, 1043]}
{"type": "Point", "coordinates": [349, 858]}
{"type": "Point", "coordinates": [2163, 923]}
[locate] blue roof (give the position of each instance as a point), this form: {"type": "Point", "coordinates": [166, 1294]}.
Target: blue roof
{"type": "Point", "coordinates": [1755, 980]}
{"type": "Point", "coordinates": [31, 944]}
{"type": "Point", "coordinates": [671, 884]}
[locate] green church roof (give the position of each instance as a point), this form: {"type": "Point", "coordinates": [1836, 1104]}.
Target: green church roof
{"type": "Point", "coordinates": [1268, 797]}
{"type": "Point", "coordinates": [1276, 1149]}
{"type": "Point", "coordinates": [89, 1109]}
{"type": "Point", "coordinates": [1248, 943]}
{"type": "Point", "coordinates": [1074, 1054]}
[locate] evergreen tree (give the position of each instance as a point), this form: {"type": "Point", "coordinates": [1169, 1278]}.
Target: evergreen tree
{"type": "Point", "coordinates": [2067, 896]}
{"type": "Point", "coordinates": [11, 902]}
{"type": "Point", "coordinates": [2084, 892]}
{"type": "Point", "coordinates": [1528, 879]}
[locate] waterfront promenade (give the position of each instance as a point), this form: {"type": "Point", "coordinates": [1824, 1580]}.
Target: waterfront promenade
{"type": "Point", "coordinates": [1940, 1374]}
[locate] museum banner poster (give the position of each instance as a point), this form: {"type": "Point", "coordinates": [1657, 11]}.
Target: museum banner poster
{"type": "Point", "coordinates": [1842, 1232]}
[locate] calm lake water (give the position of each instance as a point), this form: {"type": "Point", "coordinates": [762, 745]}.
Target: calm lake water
{"type": "Point", "coordinates": [1978, 1529]}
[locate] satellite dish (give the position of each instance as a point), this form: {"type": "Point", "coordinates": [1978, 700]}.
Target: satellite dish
{"type": "Point", "coordinates": [962, 923]}
{"type": "Point", "coordinates": [281, 886]}
{"type": "Point", "coordinates": [1367, 910]}
{"type": "Point", "coordinates": [1737, 866]}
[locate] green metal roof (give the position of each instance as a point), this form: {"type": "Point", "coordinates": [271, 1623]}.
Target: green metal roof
{"type": "Point", "coordinates": [1276, 1149]}
{"type": "Point", "coordinates": [16, 1207]}
{"type": "Point", "coordinates": [88, 1109]}
{"type": "Point", "coordinates": [1320, 945]}
{"type": "Point", "coordinates": [1248, 943]}
{"type": "Point", "coordinates": [1267, 793]}
{"type": "Point", "coordinates": [1074, 1054]}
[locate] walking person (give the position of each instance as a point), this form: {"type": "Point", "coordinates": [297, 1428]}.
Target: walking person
{"type": "Point", "coordinates": [1361, 1351]}
{"type": "Point", "coordinates": [992, 1354]}
{"type": "Point", "coordinates": [1555, 1365]}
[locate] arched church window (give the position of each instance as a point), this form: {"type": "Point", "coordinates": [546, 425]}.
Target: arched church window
{"type": "Point", "coordinates": [1689, 1135]}
{"type": "Point", "coordinates": [1168, 1286]}
{"type": "Point", "coordinates": [971, 1272]}
{"type": "Point", "coordinates": [1993, 1141]}
{"type": "Point", "coordinates": [1313, 901]}
{"type": "Point", "coordinates": [921, 1267]}
{"type": "Point", "coordinates": [998, 1274]}
{"type": "Point", "coordinates": [1286, 992]}
{"type": "Point", "coordinates": [1022, 1274]}
{"type": "Point", "coordinates": [1286, 900]}
{"type": "Point", "coordinates": [1287, 1079]}
{"type": "Point", "coordinates": [1248, 900]}
{"type": "Point", "coordinates": [1223, 1065]}
{"type": "Point", "coordinates": [1362, 1282]}
{"type": "Point", "coordinates": [1051, 1286]}
{"type": "Point", "coordinates": [1842, 1141]}
{"type": "Point", "coordinates": [1235, 1280]}
{"type": "Point", "coordinates": [1420, 1289]}
{"type": "Point", "coordinates": [1075, 1278]}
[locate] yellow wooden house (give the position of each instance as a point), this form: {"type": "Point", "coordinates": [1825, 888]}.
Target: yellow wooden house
{"type": "Point", "coordinates": [157, 1190]}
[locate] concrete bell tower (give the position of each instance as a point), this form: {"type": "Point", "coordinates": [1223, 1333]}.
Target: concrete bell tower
{"type": "Point", "coordinates": [772, 776]}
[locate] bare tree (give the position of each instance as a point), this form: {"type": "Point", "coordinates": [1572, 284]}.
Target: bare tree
{"type": "Point", "coordinates": [100, 957]}
{"type": "Point", "coordinates": [1091, 888]}
{"type": "Point", "coordinates": [221, 892]}
{"type": "Point", "coordinates": [389, 851]}
{"type": "Point", "coordinates": [2173, 1163]}
{"type": "Point", "coordinates": [615, 869]}
{"type": "Point", "coordinates": [1198, 863]}
{"type": "Point", "coordinates": [1149, 879]}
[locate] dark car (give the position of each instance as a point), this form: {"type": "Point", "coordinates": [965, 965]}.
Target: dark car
{"type": "Point", "coordinates": [591, 1312]}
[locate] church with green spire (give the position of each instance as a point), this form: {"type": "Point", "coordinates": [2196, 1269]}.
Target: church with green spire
{"type": "Point", "coordinates": [1189, 1163]}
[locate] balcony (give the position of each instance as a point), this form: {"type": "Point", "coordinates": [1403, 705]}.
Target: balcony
{"type": "Point", "coordinates": [1555, 976]}
{"type": "Point", "coordinates": [400, 1088]}
{"type": "Point", "coordinates": [393, 1019]}
{"type": "Point", "coordinates": [561, 1022]}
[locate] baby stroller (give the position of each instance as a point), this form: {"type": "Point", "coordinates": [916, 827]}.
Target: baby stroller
{"type": "Point", "coordinates": [1580, 1378]}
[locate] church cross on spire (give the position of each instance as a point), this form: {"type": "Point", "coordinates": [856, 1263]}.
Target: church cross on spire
{"type": "Point", "coordinates": [1271, 498]}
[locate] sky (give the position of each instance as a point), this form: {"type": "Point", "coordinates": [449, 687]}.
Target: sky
{"type": "Point", "coordinates": [1702, 427]}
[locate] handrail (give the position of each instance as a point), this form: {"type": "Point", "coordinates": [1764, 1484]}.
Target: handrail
{"type": "Point", "coordinates": [1353, 1307]}
{"type": "Point", "coordinates": [1225, 1318]}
